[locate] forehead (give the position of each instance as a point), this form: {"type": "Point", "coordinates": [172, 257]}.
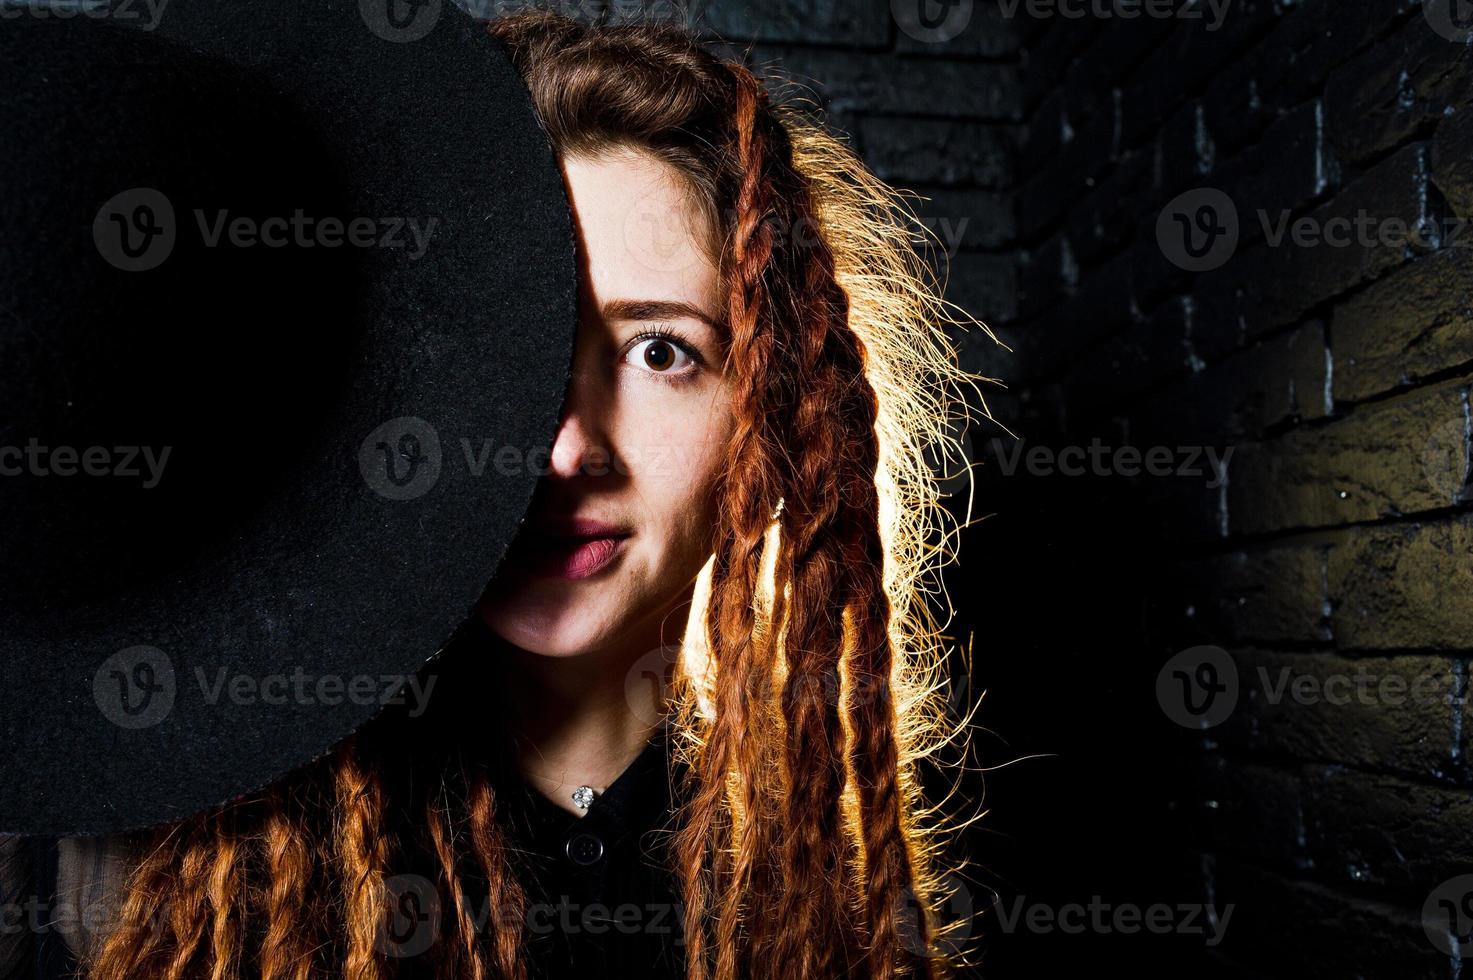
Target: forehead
{"type": "Point", "coordinates": [640, 231]}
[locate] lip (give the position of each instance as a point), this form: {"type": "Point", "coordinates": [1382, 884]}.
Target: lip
{"type": "Point", "coordinates": [569, 549]}
{"type": "Point", "coordinates": [575, 527]}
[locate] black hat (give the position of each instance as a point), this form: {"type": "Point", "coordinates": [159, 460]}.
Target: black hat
{"type": "Point", "coordinates": [287, 309]}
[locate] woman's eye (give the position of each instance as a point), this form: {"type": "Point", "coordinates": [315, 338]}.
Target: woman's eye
{"type": "Point", "coordinates": [660, 356]}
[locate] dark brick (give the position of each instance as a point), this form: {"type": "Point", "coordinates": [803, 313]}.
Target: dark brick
{"type": "Point", "coordinates": [1104, 64]}
{"type": "Point", "coordinates": [1286, 170]}
{"type": "Point", "coordinates": [1232, 109]}
{"type": "Point", "coordinates": [1140, 358]}
{"type": "Point", "coordinates": [1384, 833]}
{"type": "Point", "coordinates": [1416, 322]}
{"type": "Point", "coordinates": [1392, 199]}
{"type": "Point", "coordinates": [1185, 60]}
{"type": "Point", "coordinates": [1047, 55]}
{"type": "Point", "coordinates": [1312, 40]}
{"type": "Point", "coordinates": [1401, 587]}
{"type": "Point", "coordinates": [1083, 159]}
{"type": "Point", "coordinates": [1301, 929]}
{"type": "Point", "coordinates": [1103, 305]}
{"type": "Point", "coordinates": [1387, 459]}
{"type": "Point", "coordinates": [1185, 152]}
{"type": "Point", "coordinates": [1392, 712]}
{"type": "Point", "coordinates": [879, 83]}
{"type": "Point", "coordinates": [1270, 595]}
{"type": "Point", "coordinates": [1395, 89]}
{"type": "Point", "coordinates": [1452, 164]}
{"type": "Point", "coordinates": [985, 286]}
{"type": "Point", "coordinates": [802, 21]}
{"type": "Point", "coordinates": [1103, 219]}
{"type": "Point", "coordinates": [1219, 327]}
{"type": "Point", "coordinates": [1277, 380]}
{"type": "Point", "coordinates": [903, 151]}
{"type": "Point", "coordinates": [963, 217]}
{"type": "Point", "coordinates": [1044, 135]}
{"type": "Point", "coordinates": [987, 33]}
{"type": "Point", "coordinates": [1045, 274]}
{"type": "Point", "coordinates": [1251, 811]}
{"type": "Point", "coordinates": [1188, 508]}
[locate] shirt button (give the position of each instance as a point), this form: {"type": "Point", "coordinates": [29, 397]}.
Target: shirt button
{"type": "Point", "coordinates": [584, 848]}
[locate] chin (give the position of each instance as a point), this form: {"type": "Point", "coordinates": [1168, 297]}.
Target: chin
{"type": "Point", "coordinates": [529, 633]}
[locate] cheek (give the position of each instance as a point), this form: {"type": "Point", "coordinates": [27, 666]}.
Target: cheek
{"type": "Point", "coordinates": [681, 455]}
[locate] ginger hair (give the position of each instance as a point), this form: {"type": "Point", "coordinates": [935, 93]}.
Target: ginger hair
{"type": "Point", "coordinates": [811, 684]}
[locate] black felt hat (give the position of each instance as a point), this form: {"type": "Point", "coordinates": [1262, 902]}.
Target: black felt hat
{"type": "Point", "coordinates": [287, 308]}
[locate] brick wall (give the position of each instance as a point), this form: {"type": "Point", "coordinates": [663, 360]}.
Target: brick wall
{"type": "Point", "coordinates": [1322, 588]}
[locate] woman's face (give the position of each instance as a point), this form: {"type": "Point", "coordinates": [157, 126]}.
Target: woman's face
{"type": "Point", "coordinates": [643, 431]}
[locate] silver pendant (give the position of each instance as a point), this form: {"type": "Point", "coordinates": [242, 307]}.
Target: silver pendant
{"type": "Point", "coordinates": [582, 797]}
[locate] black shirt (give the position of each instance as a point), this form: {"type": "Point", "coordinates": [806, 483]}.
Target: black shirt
{"type": "Point", "coordinates": [602, 899]}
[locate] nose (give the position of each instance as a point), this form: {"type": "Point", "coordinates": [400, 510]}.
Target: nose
{"type": "Point", "coordinates": [581, 445]}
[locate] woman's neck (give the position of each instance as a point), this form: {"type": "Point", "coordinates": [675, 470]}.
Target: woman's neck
{"type": "Point", "coordinates": [581, 720]}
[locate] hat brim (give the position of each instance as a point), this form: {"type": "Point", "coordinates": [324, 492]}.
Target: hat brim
{"type": "Point", "coordinates": [288, 634]}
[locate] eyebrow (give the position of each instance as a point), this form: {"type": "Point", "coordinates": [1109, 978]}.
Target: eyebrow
{"type": "Point", "coordinates": [658, 309]}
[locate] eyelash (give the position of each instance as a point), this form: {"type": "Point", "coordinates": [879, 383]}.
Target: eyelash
{"type": "Point", "coordinates": [675, 340]}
